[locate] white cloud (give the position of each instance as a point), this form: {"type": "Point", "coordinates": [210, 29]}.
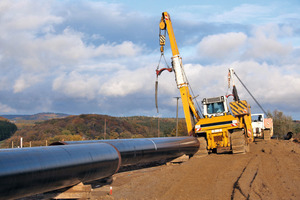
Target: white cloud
{"type": "Point", "coordinates": [26, 15]}
{"type": "Point", "coordinates": [244, 13]}
{"type": "Point", "coordinates": [101, 67]}
{"type": "Point", "coordinates": [221, 46]}
{"type": "Point", "coordinates": [127, 82]}
{"type": "Point", "coordinates": [25, 81]}
{"type": "Point", "coordinates": [265, 45]}
{"type": "Point", "coordinates": [29, 39]}
{"type": "Point", "coordinates": [118, 84]}
{"type": "Point", "coordinates": [268, 83]}
{"type": "Point", "coordinates": [77, 85]}
{"type": "Point", "coordinates": [6, 109]}
{"type": "Point", "coordinates": [126, 48]}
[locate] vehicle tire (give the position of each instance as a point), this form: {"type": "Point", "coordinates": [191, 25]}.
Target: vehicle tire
{"type": "Point", "coordinates": [238, 142]}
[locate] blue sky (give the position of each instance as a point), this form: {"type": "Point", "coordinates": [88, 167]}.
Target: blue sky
{"type": "Point", "coordinates": [100, 56]}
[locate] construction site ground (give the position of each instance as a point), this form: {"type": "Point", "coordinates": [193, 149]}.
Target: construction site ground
{"type": "Point", "coordinates": [270, 171]}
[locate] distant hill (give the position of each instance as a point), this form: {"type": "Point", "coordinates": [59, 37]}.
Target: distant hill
{"type": "Point", "coordinates": [3, 119]}
{"type": "Point", "coordinates": [38, 116]}
{"type": "Point", "coordinates": [92, 126]}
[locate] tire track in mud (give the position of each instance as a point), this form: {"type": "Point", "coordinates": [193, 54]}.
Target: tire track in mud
{"type": "Point", "coordinates": [236, 185]}
{"type": "Point", "coordinates": [270, 171]}
{"type": "Point", "coordinates": [248, 197]}
{"type": "Point", "coordinates": [242, 187]}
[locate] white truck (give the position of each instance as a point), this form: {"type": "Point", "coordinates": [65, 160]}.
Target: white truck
{"type": "Point", "coordinates": [262, 127]}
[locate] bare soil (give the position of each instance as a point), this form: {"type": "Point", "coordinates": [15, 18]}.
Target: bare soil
{"type": "Point", "coordinates": [270, 171]}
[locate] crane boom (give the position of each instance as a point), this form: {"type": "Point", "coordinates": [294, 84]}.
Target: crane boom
{"type": "Point", "coordinates": [189, 108]}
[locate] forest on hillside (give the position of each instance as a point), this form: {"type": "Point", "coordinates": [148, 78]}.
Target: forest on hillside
{"type": "Point", "coordinates": [97, 127]}
{"type": "Point", "coordinates": [94, 127]}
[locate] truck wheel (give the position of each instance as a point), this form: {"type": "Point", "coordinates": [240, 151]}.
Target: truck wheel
{"type": "Point", "coordinates": [238, 143]}
{"type": "Point", "coordinates": [203, 147]}
{"type": "Point", "coordinates": [267, 134]}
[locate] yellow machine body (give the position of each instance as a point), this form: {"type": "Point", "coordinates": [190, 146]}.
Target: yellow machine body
{"type": "Point", "coordinates": [220, 130]}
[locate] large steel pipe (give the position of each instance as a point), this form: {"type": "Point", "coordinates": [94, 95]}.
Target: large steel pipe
{"type": "Point", "coordinates": [29, 171]}
{"type": "Point", "coordinates": [147, 150]}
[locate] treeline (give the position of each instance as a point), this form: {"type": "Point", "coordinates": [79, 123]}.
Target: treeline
{"type": "Point", "coordinates": [282, 124]}
{"type": "Point", "coordinates": [97, 127]}
{"type": "Point", "coordinates": [94, 127]}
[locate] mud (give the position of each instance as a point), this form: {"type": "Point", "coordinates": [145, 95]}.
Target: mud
{"type": "Point", "coordinates": [270, 171]}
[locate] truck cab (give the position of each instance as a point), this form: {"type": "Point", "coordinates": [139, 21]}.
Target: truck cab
{"type": "Point", "coordinates": [257, 124]}
{"type": "Point", "coordinates": [262, 127]}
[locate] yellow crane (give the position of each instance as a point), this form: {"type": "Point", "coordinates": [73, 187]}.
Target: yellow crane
{"type": "Point", "coordinates": [218, 128]}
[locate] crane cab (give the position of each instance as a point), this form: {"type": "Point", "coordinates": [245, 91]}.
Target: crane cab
{"type": "Point", "coordinates": [216, 106]}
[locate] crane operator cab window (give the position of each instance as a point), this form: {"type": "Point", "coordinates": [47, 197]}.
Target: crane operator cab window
{"type": "Point", "coordinates": [217, 107]}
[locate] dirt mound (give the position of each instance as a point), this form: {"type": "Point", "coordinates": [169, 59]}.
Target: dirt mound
{"type": "Point", "coordinates": [270, 171]}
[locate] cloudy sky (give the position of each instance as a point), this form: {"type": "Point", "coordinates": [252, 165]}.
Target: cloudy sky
{"type": "Point", "coordinates": [100, 57]}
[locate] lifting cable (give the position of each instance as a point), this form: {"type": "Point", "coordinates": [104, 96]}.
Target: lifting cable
{"type": "Point", "coordinates": [250, 94]}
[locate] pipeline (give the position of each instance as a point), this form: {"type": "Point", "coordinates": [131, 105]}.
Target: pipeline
{"type": "Point", "coordinates": [29, 171]}
{"type": "Point", "coordinates": [147, 150]}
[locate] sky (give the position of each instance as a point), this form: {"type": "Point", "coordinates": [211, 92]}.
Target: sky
{"type": "Point", "coordinates": [89, 56]}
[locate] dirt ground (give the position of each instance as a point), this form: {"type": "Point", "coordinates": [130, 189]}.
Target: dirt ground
{"type": "Point", "coordinates": [270, 171]}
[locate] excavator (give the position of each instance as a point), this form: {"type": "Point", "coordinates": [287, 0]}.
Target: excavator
{"type": "Point", "coordinates": [218, 129]}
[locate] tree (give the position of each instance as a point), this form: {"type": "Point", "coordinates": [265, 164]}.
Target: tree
{"type": "Point", "coordinates": [137, 136]}
{"type": "Point", "coordinates": [7, 129]}
{"type": "Point", "coordinates": [113, 135]}
{"type": "Point", "coordinates": [282, 124]}
{"type": "Point", "coordinates": [297, 127]}
{"type": "Point", "coordinates": [66, 132]}
{"type": "Point", "coordinates": [125, 134]}
{"type": "Point", "coordinates": [182, 131]}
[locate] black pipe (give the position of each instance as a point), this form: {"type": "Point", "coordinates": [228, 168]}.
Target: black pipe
{"type": "Point", "coordinates": [29, 171]}
{"type": "Point", "coordinates": [146, 150]}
